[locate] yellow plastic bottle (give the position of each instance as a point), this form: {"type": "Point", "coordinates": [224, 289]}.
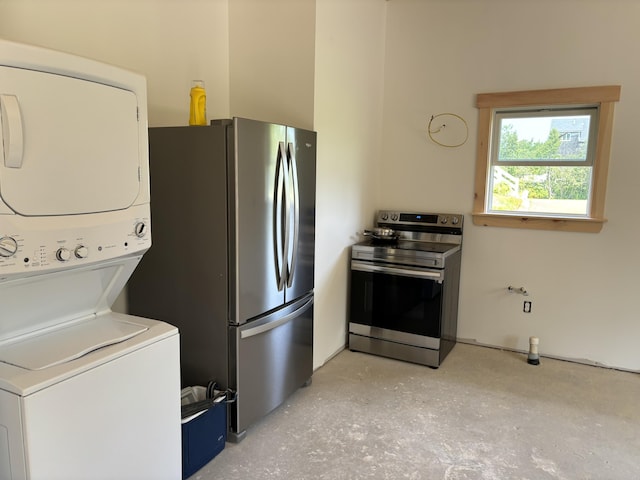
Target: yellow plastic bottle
{"type": "Point", "coordinates": [198, 107]}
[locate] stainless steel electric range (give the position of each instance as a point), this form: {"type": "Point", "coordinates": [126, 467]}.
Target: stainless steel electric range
{"type": "Point", "coordinates": [404, 287]}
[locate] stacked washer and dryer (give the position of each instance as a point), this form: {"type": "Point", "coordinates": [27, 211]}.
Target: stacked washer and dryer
{"type": "Point", "coordinates": [85, 392]}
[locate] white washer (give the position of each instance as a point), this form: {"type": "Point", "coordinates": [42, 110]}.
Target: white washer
{"type": "Point", "coordinates": [105, 415]}
{"type": "Point", "coordinates": [84, 392]}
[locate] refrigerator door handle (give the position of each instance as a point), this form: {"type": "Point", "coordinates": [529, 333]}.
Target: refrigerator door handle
{"type": "Point", "coordinates": [265, 327]}
{"type": "Point", "coordinates": [278, 240]}
{"type": "Point", "coordinates": [286, 194]}
{"type": "Point", "coordinates": [296, 212]}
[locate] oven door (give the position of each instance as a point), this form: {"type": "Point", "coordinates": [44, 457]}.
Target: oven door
{"type": "Point", "coordinates": [397, 303]}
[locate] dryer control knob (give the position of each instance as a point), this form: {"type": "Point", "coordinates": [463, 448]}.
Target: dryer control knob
{"type": "Point", "coordinates": [8, 246]}
{"type": "Point", "coordinates": [140, 229]}
{"type": "Point", "coordinates": [63, 254]}
{"type": "Point", "coordinates": [81, 251]}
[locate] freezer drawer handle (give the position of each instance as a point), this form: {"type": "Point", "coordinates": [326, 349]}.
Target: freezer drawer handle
{"type": "Point", "coordinates": [11, 131]}
{"type": "Point", "coordinates": [250, 332]}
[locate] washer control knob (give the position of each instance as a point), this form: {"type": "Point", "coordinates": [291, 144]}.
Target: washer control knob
{"type": "Point", "coordinates": [140, 229]}
{"type": "Point", "coordinates": [81, 251]}
{"type": "Point", "coordinates": [8, 246]}
{"type": "Point", "coordinates": [63, 254]}
{"type": "Point", "coordinates": [455, 220]}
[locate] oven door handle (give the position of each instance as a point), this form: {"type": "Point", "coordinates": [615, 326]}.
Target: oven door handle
{"type": "Point", "coordinates": [436, 275]}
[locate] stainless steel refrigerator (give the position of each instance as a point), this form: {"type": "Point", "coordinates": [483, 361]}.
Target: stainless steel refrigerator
{"type": "Point", "coordinates": [232, 260]}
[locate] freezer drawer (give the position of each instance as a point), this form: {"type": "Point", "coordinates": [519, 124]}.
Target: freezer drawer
{"type": "Point", "coordinates": [271, 357]}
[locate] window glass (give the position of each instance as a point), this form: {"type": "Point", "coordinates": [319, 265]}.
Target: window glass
{"type": "Point", "coordinates": [541, 161]}
{"type": "Point", "coordinates": [541, 189]}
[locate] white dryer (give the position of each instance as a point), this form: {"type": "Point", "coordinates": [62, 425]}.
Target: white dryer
{"type": "Point", "coordinates": [84, 392]}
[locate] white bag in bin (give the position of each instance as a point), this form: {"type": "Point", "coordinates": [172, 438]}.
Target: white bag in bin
{"type": "Point", "coordinates": [189, 395]}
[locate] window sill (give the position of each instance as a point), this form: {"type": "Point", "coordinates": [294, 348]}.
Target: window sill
{"type": "Point", "coordinates": [562, 224]}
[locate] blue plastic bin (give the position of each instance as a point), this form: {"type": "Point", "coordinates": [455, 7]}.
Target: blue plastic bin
{"type": "Point", "coordinates": [203, 437]}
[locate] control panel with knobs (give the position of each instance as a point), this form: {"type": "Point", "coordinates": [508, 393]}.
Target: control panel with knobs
{"type": "Point", "coordinates": [81, 251]}
{"type": "Point", "coordinates": [8, 246]}
{"type": "Point", "coordinates": [390, 218]}
{"type": "Point", "coordinates": [63, 254]}
{"type": "Point", "coordinates": [449, 218]}
{"type": "Point", "coordinates": [140, 229]}
{"type": "Point", "coordinates": [70, 241]}
{"type": "Point", "coordinates": [384, 216]}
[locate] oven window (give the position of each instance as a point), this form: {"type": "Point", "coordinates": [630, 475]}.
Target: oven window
{"type": "Point", "coordinates": [393, 302]}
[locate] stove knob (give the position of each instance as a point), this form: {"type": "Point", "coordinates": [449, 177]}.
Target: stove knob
{"type": "Point", "coordinates": [8, 246]}
{"type": "Point", "coordinates": [81, 251]}
{"type": "Point", "coordinates": [140, 229]}
{"type": "Point", "coordinates": [394, 216]}
{"type": "Point", "coordinates": [63, 254]}
{"type": "Point", "coordinates": [443, 220]}
{"type": "Point", "coordinates": [384, 215]}
{"type": "Point", "coordinates": [455, 220]}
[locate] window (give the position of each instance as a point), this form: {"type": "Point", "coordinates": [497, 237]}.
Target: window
{"type": "Point", "coordinates": [542, 158]}
{"type": "Point", "coordinates": [541, 161]}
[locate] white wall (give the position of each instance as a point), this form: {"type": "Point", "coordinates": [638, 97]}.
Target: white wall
{"type": "Point", "coordinates": [348, 113]}
{"type": "Point", "coordinates": [439, 55]}
{"type": "Point", "coordinates": [272, 61]}
{"type": "Point", "coordinates": [169, 42]}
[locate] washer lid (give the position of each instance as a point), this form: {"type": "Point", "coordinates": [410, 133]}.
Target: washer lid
{"type": "Point", "coordinates": [67, 145]}
{"type": "Point", "coordinates": [68, 343]}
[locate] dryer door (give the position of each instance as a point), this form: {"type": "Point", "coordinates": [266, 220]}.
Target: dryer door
{"type": "Point", "coordinates": [67, 146]}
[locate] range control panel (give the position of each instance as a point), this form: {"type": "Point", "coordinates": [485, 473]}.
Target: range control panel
{"type": "Point", "coordinates": [420, 219]}
{"type": "Point", "coordinates": [68, 241]}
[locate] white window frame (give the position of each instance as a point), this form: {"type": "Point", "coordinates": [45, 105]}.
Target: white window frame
{"type": "Point", "coordinates": [602, 98]}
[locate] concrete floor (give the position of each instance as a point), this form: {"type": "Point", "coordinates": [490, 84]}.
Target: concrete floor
{"type": "Point", "coordinates": [484, 414]}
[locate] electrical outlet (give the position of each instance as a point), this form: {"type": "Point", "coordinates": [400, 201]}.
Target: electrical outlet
{"type": "Point", "coordinates": [527, 307]}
